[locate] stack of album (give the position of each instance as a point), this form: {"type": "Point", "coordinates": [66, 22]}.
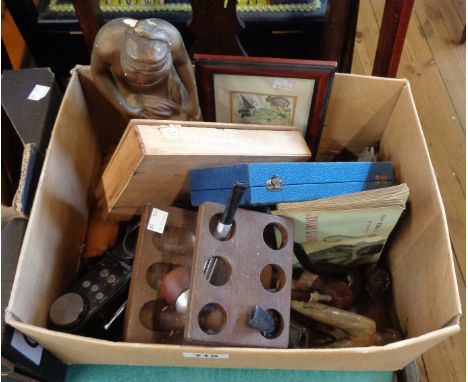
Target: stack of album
{"type": "Point", "coordinates": [351, 229]}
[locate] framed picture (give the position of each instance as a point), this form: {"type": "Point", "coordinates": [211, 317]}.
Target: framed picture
{"type": "Point", "coordinates": [267, 91]}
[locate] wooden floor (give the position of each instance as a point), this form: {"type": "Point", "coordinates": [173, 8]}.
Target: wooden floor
{"type": "Point", "coordinates": [434, 61]}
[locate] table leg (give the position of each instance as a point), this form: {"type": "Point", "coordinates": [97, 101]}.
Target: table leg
{"type": "Point", "coordinates": [395, 22]}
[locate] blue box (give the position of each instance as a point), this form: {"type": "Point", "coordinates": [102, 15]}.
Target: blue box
{"type": "Point", "coordinates": [271, 183]}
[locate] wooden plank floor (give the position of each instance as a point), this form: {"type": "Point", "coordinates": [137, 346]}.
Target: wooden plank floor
{"type": "Point", "coordinates": [434, 62]}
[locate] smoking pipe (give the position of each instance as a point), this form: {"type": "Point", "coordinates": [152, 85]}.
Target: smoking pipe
{"type": "Point", "coordinates": [358, 327]}
{"type": "Point", "coordinates": [354, 278]}
{"type": "Point", "coordinates": [339, 291]}
{"type": "Point", "coordinates": [375, 301]}
{"type": "Point", "coordinates": [378, 339]}
{"type": "Point", "coordinates": [175, 288]}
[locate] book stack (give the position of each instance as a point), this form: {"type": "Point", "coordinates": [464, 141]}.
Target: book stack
{"type": "Point", "coordinates": [351, 229]}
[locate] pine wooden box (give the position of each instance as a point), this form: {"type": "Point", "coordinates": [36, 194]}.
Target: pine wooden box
{"type": "Point", "coordinates": [362, 110]}
{"type": "Point", "coordinates": [153, 159]}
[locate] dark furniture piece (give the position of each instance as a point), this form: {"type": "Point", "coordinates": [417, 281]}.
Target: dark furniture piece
{"type": "Point", "coordinates": [53, 33]}
{"type": "Point", "coordinates": [54, 37]}
{"type": "Point", "coordinates": [395, 21]}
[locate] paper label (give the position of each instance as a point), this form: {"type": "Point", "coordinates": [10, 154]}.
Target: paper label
{"type": "Point", "coordinates": [283, 84]}
{"type": "Point", "coordinates": [206, 355]}
{"type": "Point", "coordinates": [171, 132]}
{"type": "Point", "coordinates": [157, 220]}
{"type": "Point", "coordinates": [39, 92]}
{"type": "Point", "coordinates": [28, 347]}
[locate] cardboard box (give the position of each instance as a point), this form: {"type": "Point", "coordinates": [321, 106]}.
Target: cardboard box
{"type": "Point", "coordinates": [362, 110]}
{"type": "Point", "coordinates": [30, 102]}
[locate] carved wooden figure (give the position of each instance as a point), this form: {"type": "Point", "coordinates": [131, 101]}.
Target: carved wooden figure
{"type": "Point", "coordinates": [142, 67]}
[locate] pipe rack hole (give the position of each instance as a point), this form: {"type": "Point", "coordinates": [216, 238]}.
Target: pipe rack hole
{"type": "Point", "coordinates": [212, 318]}
{"type": "Point", "coordinates": [217, 271]}
{"type": "Point", "coordinates": [275, 236]}
{"type": "Point", "coordinates": [272, 278]}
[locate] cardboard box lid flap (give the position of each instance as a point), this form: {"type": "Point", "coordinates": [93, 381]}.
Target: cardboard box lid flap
{"type": "Point", "coordinates": [57, 224]}
{"type": "Point", "coordinates": [76, 349]}
{"type": "Point", "coordinates": [422, 236]}
{"type": "Point", "coordinates": [30, 98]}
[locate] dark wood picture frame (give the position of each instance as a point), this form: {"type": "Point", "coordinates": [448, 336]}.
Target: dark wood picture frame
{"type": "Point", "coordinates": [322, 72]}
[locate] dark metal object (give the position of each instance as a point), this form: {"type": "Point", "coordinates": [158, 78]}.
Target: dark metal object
{"type": "Point", "coordinates": [115, 316]}
{"type": "Point", "coordinates": [247, 257]}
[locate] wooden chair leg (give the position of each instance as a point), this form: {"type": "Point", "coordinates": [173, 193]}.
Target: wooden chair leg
{"type": "Point", "coordinates": [392, 36]}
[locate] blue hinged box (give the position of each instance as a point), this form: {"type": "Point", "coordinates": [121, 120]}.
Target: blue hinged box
{"type": "Point", "coordinates": [271, 183]}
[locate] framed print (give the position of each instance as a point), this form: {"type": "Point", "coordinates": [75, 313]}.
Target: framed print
{"type": "Point", "coordinates": [267, 91]}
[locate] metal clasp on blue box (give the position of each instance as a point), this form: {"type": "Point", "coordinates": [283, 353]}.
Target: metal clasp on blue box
{"type": "Point", "coordinates": [271, 183]}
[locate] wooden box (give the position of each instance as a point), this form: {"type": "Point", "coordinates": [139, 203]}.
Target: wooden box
{"type": "Point", "coordinates": [153, 158]}
{"type": "Point", "coordinates": [271, 183]}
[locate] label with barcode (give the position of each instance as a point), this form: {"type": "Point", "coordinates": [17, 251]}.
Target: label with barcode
{"type": "Point", "coordinates": [157, 220]}
{"type": "Point", "coordinates": [283, 84]}
{"type": "Point", "coordinates": [38, 93]}
{"type": "Point", "coordinates": [206, 355]}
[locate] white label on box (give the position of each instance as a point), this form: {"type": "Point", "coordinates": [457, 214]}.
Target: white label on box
{"type": "Point", "coordinates": [157, 220]}
{"type": "Point", "coordinates": [171, 132]}
{"type": "Point", "coordinates": [283, 84]}
{"type": "Point", "coordinates": [28, 347]}
{"type": "Point", "coordinates": [39, 92]}
{"type": "Point", "coordinates": [206, 355]}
